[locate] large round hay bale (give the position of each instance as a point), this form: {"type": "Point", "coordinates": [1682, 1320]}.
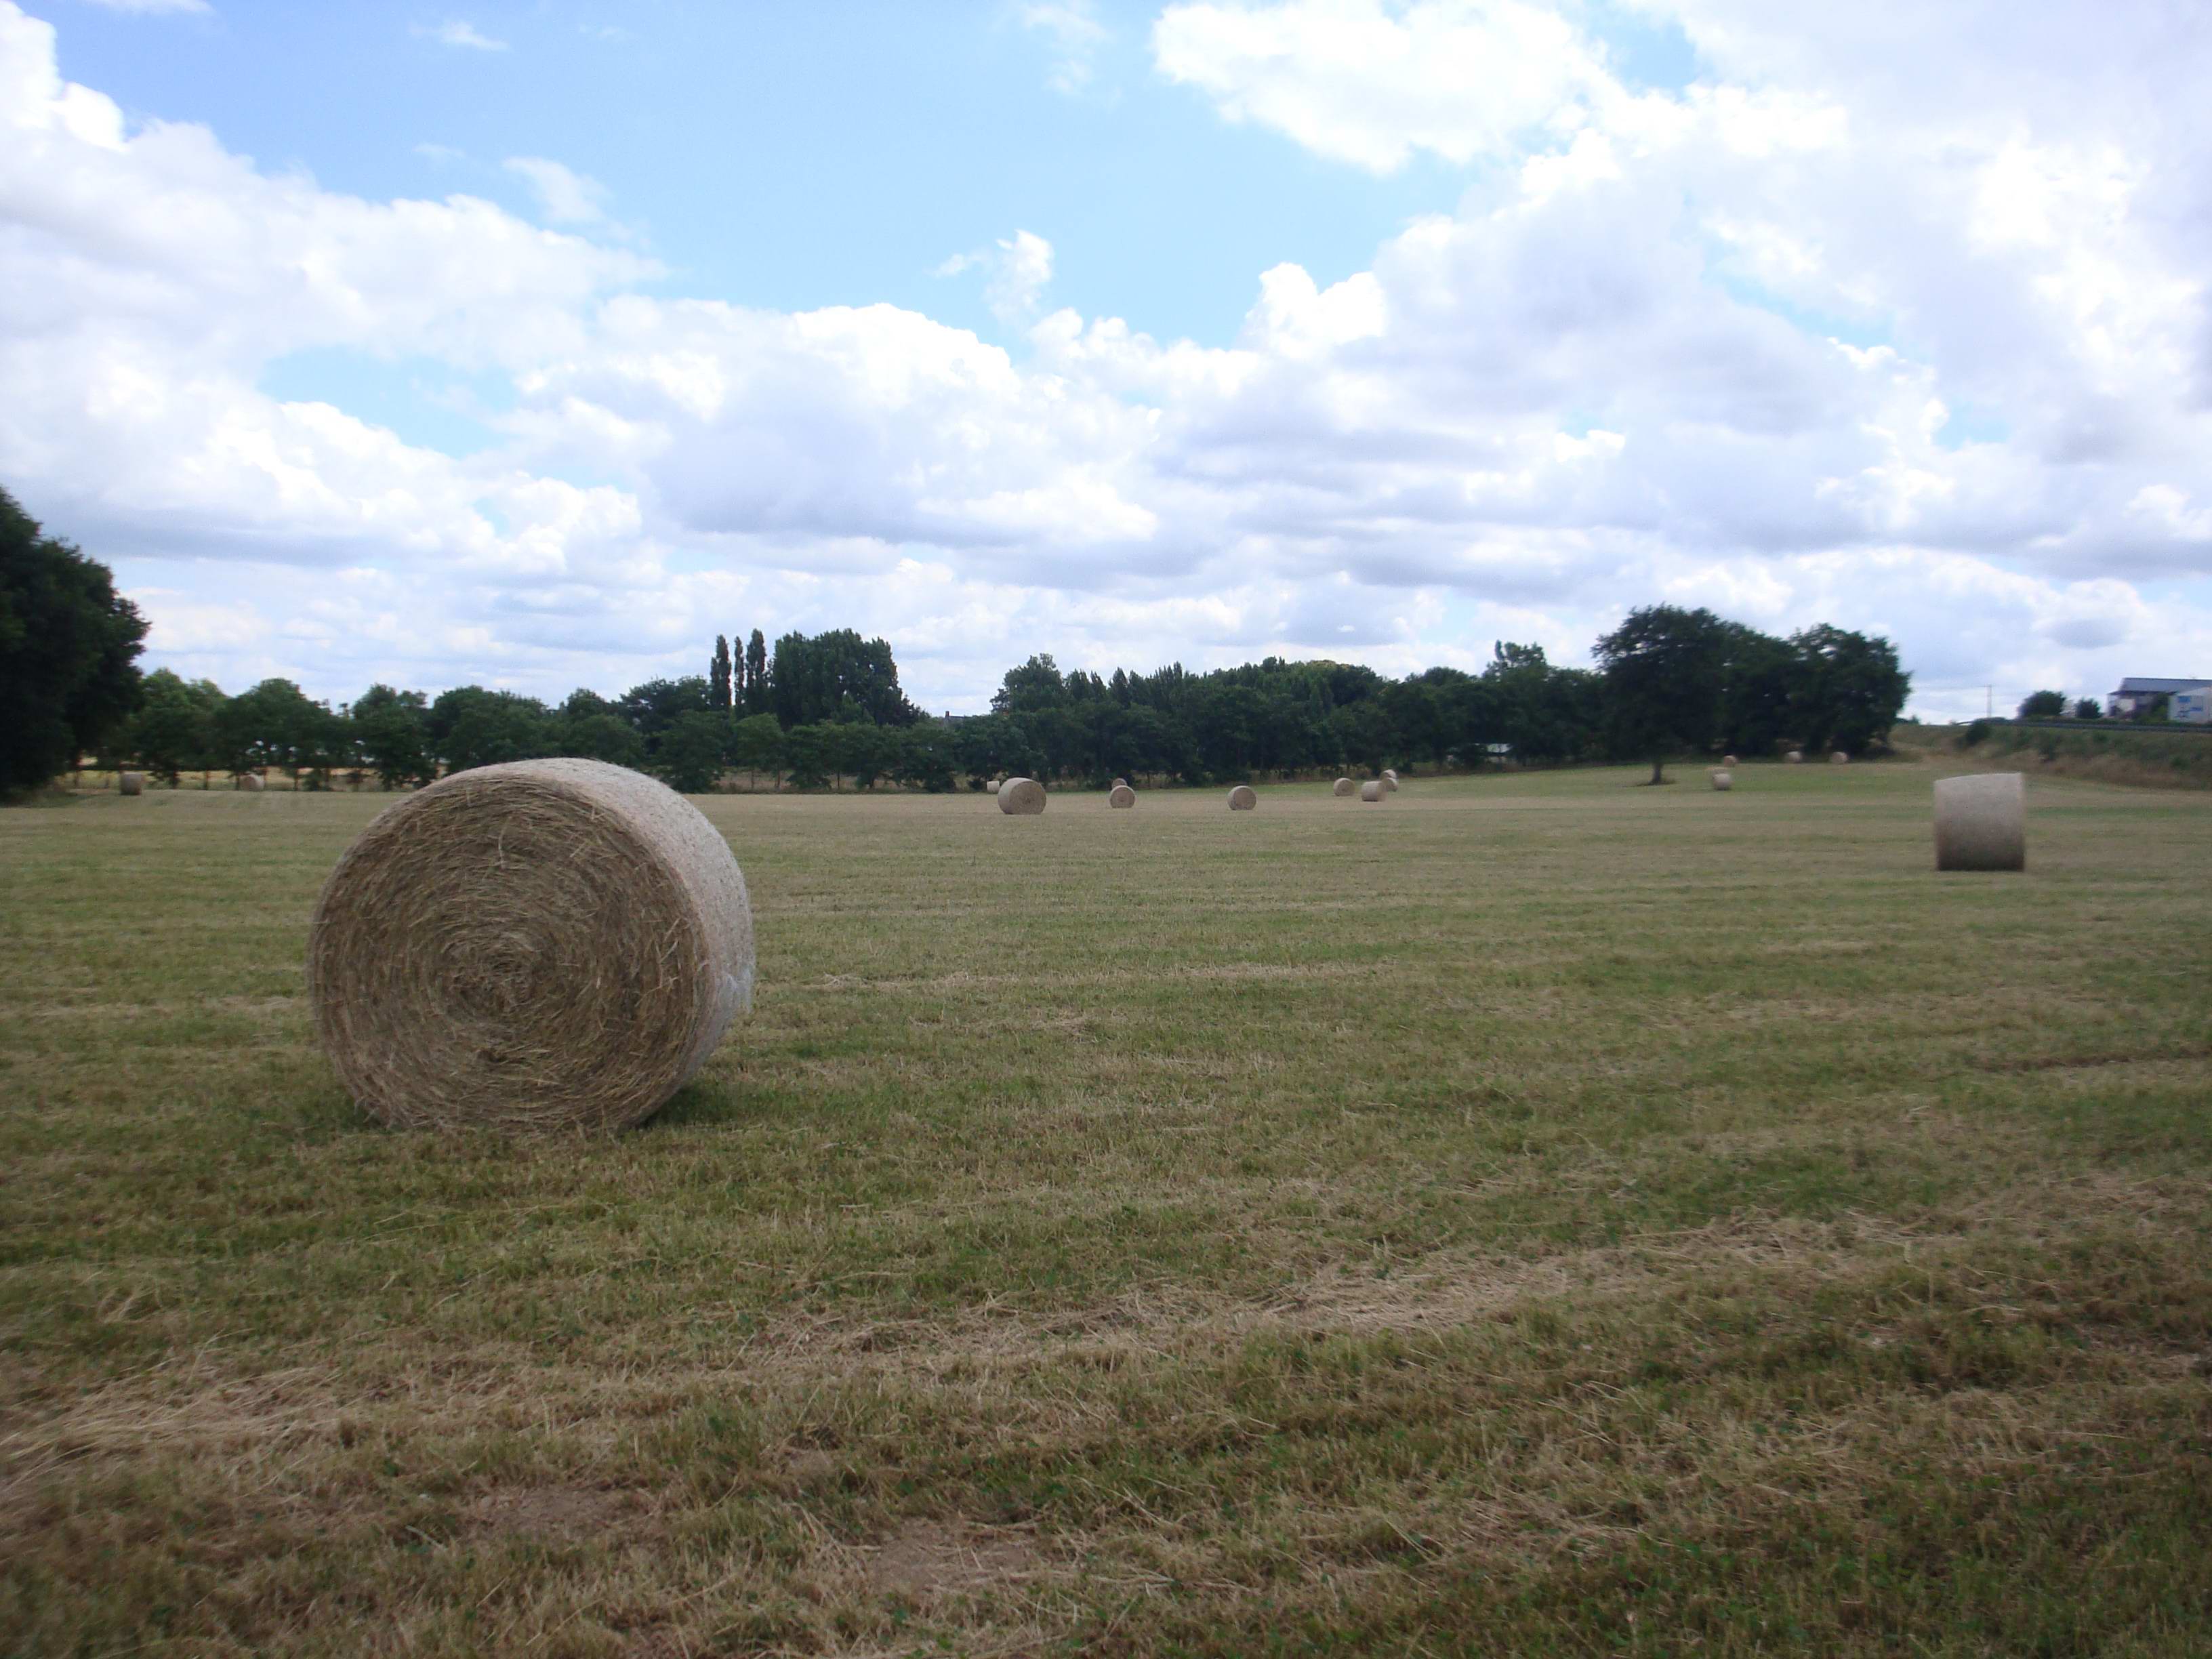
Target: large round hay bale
{"type": "Point", "coordinates": [1837, 758]}
{"type": "Point", "coordinates": [1022, 796]}
{"type": "Point", "coordinates": [1981, 822]}
{"type": "Point", "coordinates": [1728, 760]}
{"type": "Point", "coordinates": [250, 782]}
{"type": "Point", "coordinates": [1723, 780]}
{"type": "Point", "coordinates": [1122, 796]}
{"type": "Point", "coordinates": [131, 783]}
{"type": "Point", "coordinates": [550, 944]}
{"type": "Point", "coordinates": [1121, 783]}
{"type": "Point", "coordinates": [1390, 777]}
{"type": "Point", "coordinates": [1389, 784]}
{"type": "Point", "coordinates": [1372, 790]}
{"type": "Point", "coordinates": [1344, 787]}
{"type": "Point", "coordinates": [1242, 800]}
{"type": "Point", "coordinates": [1796, 756]}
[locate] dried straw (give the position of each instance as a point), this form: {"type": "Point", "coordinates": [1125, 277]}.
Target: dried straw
{"type": "Point", "coordinates": [130, 783]}
{"type": "Point", "coordinates": [1372, 790]}
{"type": "Point", "coordinates": [1121, 783]}
{"type": "Point", "coordinates": [1389, 782]}
{"type": "Point", "coordinates": [1122, 796]}
{"type": "Point", "coordinates": [1794, 757]}
{"type": "Point", "coordinates": [551, 944]}
{"type": "Point", "coordinates": [1728, 760]}
{"type": "Point", "coordinates": [1345, 787]}
{"type": "Point", "coordinates": [1981, 822]}
{"type": "Point", "coordinates": [1723, 780]}
{"type": "Point", "coordinates": [1837, 758]}
{"type": "Point", "coordinates": [1242, 800]}
{"type": "Point", "coordinates": [1021, 797]}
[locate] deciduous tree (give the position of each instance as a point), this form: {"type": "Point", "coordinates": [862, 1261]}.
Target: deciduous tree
{"type": "Point", "coordinates": [1665, 670]}
{"type": "Point", "coordinates": [756, 744]}
{"type": "Point", "coordinates": [393, 735]}
{"type": "Point", "coordinates": [1849, 687]}
{"type": "Point", "coordinates": [69, 651]}
{"type": "Point", "coordinates": [693, 750]}
{"type": "Point", "coordinates": [173, 730]}
{"type": "Point", "coordinates": [471, 726]}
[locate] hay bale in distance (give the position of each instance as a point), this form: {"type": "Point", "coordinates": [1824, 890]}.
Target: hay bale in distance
{"type": "Point", "coordinates": [554, 944]}
{"type": "Point", "coordinates": [1837, 758]}
{"type": "Point", "coordinates": [130, 783]}
{"type": "Point", "coordinates": [1021, 797]}
{"type": "Point", "coordinates": [1121, 783]}
{"type": "Point", "coordinates": [1390, 777]}
{"type": "Point", "coordinates": [1389, 784]}
{"type": "Point", "coordinates": [1728, 760]}
{"type": "Point", "coordinates": [1723, 780]}
{"type": "Point", "coordinates": [1344, 787]}
{"type": "Point", "coordinates": [1372, 790]}
{"type": "Point", "coordinates": [1122, 796]}
{"type": "Point", "coordinates": [1242, 800]}
{"type": "Point", "coordinates": [1796, 756]}
{"type": "Point", "coordinates": [1981, 822]}
{"type": "Point", "coordinates": [252, 782]}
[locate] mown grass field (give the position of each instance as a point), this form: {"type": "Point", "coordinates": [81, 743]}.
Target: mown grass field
{"type": "Point", "coordinates": [1537, 1214]}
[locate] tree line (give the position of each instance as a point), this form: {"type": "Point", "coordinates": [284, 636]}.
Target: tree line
{"type": "Point", "coordinates": [816, 710]}
{"type": "Point", "coordinates": [827, 708]}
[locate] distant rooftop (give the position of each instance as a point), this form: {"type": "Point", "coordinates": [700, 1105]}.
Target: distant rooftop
{"type": "Point", "coordinates": [2132, 687]}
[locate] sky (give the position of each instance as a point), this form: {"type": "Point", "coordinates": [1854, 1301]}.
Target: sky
{"type": "Point", "coordinates": [533, 344]}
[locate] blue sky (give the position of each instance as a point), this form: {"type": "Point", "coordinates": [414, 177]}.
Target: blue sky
{"type": "Point", "coordinates": [535, 344]}
{"type": "Point", "coordinates": [788, 156]}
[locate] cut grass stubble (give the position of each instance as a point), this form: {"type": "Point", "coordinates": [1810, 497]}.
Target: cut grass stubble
{"type": "Point", "coordinates": [1553, 1215]}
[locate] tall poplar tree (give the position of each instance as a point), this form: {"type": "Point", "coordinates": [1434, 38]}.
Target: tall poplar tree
{"type": "Point", "coordinates": [757, 674]}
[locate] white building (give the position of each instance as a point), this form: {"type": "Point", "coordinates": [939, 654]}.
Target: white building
{"type": "Point", "coordinates": [2136, 693]}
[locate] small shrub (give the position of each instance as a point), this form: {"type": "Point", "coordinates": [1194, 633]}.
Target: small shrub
{"type": "Point", "coordinates": [1973, 734]}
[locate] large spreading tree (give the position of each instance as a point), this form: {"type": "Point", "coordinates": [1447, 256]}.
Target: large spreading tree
{"type": "Point", "coordinates": [836, 676]}
{"type": "Point", "coordinates": [1666, 670]}
{"type": "Point", "coordinates": [69, 651]}
{"type": "Point", "coordinates": [1849, 687]}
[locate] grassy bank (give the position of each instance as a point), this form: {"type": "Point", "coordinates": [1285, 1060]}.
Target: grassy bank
{"type": "Point", "coordinates": [1537, 1213]}
{"type": "Point", "coordinates": [2099, 752]}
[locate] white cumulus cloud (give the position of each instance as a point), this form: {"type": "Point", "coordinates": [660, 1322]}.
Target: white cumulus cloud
{"type": "Point", "coordinates": [1017, 270]}
{"type": "Point", "coordinates": [1076, 36]}
{"type": "Point", "coordinates": [567, 198]}
{"type": "Point", "coordinates": [1825, 336]}
{"type": "Point", "coordinates": [1370, 83]}
{"type": "Point", "coordinates": [458, 31]}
